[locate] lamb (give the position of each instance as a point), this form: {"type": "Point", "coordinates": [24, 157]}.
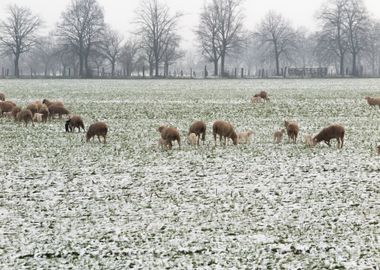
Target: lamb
{"type": "Point", "coordinates": [263, 95]}
{"type": "Point", "coordinates": [193, 139]}
{"type": "Point", "coordinates": [373, 101]}
{"type": "Point", "coordinates": [26, 116]}
{"type": "Point", "coordinates": [277, 136]}
{"type": "Point", "coordinates": [330, 132]}
{"type": "Point", "coordinates": [48, 103]}
{"type": "Point", "coordinates": [2, 97]}
{"type": "Point", "coordinates": [5, 107]}
{"type": "Point", "coordinates": [245, 137]}
{"type": "Point", "coordinates": [292, 130]}
{"type": "Point", "coordinates": [38, 117]}
{"type": "Point", "coordinates": [73, 122]}
{"type": "Point", "coordinates": [198, 128]}
{"type": "Point", "coordinates": [308, 139]}
{"type": "Point", "coordinates": [163, 144]}
{"type": "Point", "coordinates": [224, 130]}
{"type": "Point", "coordinates": [98, 129]}
{"type": "Point", "coordinates": [56, 109]}
{"type": "Point", "coordinates": [255, 100]}
{"type": "Point", "coordinates": [170, 134]}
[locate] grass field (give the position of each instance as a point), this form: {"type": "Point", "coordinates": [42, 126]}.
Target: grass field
{"type": "Point", "coordinates": [67, 204]}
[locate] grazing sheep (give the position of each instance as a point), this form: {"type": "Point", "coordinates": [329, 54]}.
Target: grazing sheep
{"type": "Point", "coordinates": [373, 101]}
{"type": "Point", "coordinates": [224, 130]}
{"type": "Point", "coordinates": [98, 129]}
{"type": "Point", "coordinates": [5, 107]}
{"type": "Point", "coordinates": [170, 134]}
{"type": "Point", "coordinates": [48, 103]}
{"type": "Point", "coordinates": [38, 117]}
{"type": "Point", "coordinates": [308, 139]}
{"type": "Point", "coordinates": [263, 95]}
{"type": "Point", "coordinates": [15, 111]}
{"type": "Point", "coordinates": [277, 136]}
{"type": "Point", "coordinates": [33, 108]}
{"type": "Point", "coordinates": [193, 139]}
{"type": "Point", "coordinates": [73, 122]}
{"type": "Point", "coordinates": [255, 100]}
{"type": "Point", "coordinates": [330, 132]}
{"type": "Point", "coordinates": [45, 113]}
{"type": "Point", "coordinates": [163, 144]}
{"type": "Point", "coordinates": [292, 130]}
{"type": "Point", "coordinates": [198, 127]}
{"type": "Point", "coordinates": [26, 116]}
{"type": "Point", "coordinates": [2, 97]}
{"type": "Point", "coordinates": [54, 110]}
{"type": "Point", "coordinates": [245, 137]}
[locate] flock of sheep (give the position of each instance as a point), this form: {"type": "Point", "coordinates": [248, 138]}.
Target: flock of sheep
{"type": "Point", "coordinates": [38, 111]}
{"type": "Point", "coordinates": [226, 131]}
{"type": "Point", "coordinates": [42, 111]}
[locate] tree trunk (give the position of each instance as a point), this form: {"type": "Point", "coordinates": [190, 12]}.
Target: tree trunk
{"type": "Point", "coordinates": [277, 64]}
{"type": "Point", "coordinates": [156, 68]}
{"type": "Point", "coordinates": [354, 70]}
{"type": "Point", "coordinates": [222, 64]}
{"type": "Point", "coordinates": [151, 69]}
{"type": "Point", "coordinates": [216, 67]}
{"type": "Point", "coordinates": [341, 63]}
{"type": "Point", "coordinates": [113, 68]}
{"type": "Point", "coordinates": [17, 70]}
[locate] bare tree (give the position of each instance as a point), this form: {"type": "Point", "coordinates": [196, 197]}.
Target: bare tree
{"type": "Point", "coordinates": [128, 56]}
{"type": "Point", "coordinates": [372, 52]}
{"type": "Point", "coordinates": [357, 27]}
{"type": "Point", "coordinates": [276, 32]}
{"type": "Point", "coordinates": [82, 25]}
{"type": "Point", "coordinates": [156, 27]}
{"type": "Point", "coordinates": [18, 32]}
{"type": "Point", "coordinates": [111, 47]}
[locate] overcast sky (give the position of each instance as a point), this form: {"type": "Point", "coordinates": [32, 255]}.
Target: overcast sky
{"type": "Point", "coordinates": [120, 13]}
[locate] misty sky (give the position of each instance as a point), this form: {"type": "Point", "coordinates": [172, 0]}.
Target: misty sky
{"type": "Point", "coordinates": [120, 13]}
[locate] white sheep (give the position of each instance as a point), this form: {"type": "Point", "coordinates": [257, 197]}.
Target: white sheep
{"type": "Point", "coordinates": [37, 117]}
{"type": "Point", "coordinates": [192, 139]}
{"type": "Point", "coordinates": [245, 137]}
{"type": "Point", "coordinates": [308, 139]}
{"type": "Point", "coordinates": [255, 100]}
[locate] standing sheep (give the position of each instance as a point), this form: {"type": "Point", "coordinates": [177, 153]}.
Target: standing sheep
{"type": "Point", "coordinates": [25, 116]}
{"type": "Point", "coordinates": [74, 121]}
{"type": "Point", "coordinates": [224, 130]}
{"type": "Point", "coordinates": [263, 95]}
{"type": "Point", "coordinates": [292, 130]}
{"type": "Point", "coordinates": [48, 103]}
{"type": "Point", "coordinates": [373, 101]}
{"type": "Point", "coordinates": [57, 110]}
{"type": "Point", "coordinates": [308, 139]}
{"type": "Point", "coordinates": [193, 139]}
{"type": "Point", "coordinates": [199, 128]}
{"type": "Point", "coordinates": [97, 129]}
{"type": "Point", "coordinates": [170, 134]}
{"type": "Point", "coordinates": [5, 107]}
{"type": "Point", "coordinates": [2, 97]}
{"type": "Point", "coordinates": [277, 136]}
{"type": "Point", "coordinates": [15, 111]}
{"type": "Point", "coordinates": [330, 132]}
{"type": "Point", "coordinates": [245, 137]}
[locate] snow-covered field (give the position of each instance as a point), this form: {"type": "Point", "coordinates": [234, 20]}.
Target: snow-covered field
{"type": "Point", "coordinates": [67, 204]}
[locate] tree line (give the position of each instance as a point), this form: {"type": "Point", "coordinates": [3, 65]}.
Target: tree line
{"type": "Point", "coordinates": [83, 45]}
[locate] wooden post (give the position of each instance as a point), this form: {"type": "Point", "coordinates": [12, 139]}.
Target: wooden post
{"type": "Point", "coordinates": [242, 73]}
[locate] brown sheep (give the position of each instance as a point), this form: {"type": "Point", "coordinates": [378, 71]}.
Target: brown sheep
{"type": "Point", "coordinates": [48, 103]}
{"type": "Point", "coordinates": [224, 130]}
{"type": "Point", "coordinates": [26, 116]}
{"type": "Point", "coordinates": [330, 132]}
{"type": "Point", "coordinates": [56, 109]}
{"type": "Point", "coordinates": [292, 130]}
{"type": "Point", "coordinates": [45, 113]}
{"type": "Point", "coordinates": [15, 111]}
{"type": "Point", "coordinates": [73, 122]}
{"type": "Point", "coordinates": [98, 129]}
{"type": "Point", "coordinates": [34, 107]}
{"type": "Point", "coordinates": [373, 101]}
{"type": "Point", "coordinates": [263, 95]}
{"type": "Point", "coordinates": [199, 128]}
{"type": "Point", "coordinates": [170, 134]}
{"type": "Point", "coordinates": [2, 97]}
{"type": "Point", "coordinates": [5, 106]}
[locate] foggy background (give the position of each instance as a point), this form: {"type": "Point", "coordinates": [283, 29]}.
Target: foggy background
{"type": "Point", "coordinates": [249, 58]}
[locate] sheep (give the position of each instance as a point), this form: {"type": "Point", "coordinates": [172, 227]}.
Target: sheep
{"type": "Point", "coordinates": [198, 128]}
{"type": "Point", "coordinates": [245, 137]}
{"type": "Point", "coordinates": [170, 134]}
{"type": "Point", "coordinates": [26, 116]}
{"type": "Point", "coordinates": [45, 113]}
{"type": "Point", "coordinates": [308, 139]}
{"type": "Point", "coordinates": [330, 132]}
{"type": "Point", "coordinates": [56, 109]}
{"type": "Point", "coordinates": [263, 95]}
{"type": "Point", "coordinates": [98, 129]}
{"type": "Point", "coordinates": [2, 97]}
{"type": "Point", "coordinates": [73, 122]}
{"type": "Point", "coordinates": [15, 111]}
{"type": "Point", "coordinates": [5, 107]}
{"type": "Point", "coordinates": [193, 139]}
{"type": "Point", "coordinates": [292, 130]}
{"type": "Point", "coordinates": [277, 136]}
{"type": "Point", "coordinates": [38, 117]}
{"type": "Point", "coordinates": [33, 107]}
{"type": "Point", "coordinates": [163, 144]}
{"type": "Point", "coordinates": [373, 101]}
{"type": "Point", "coordinates": [256, 99]}
{"type": "Point", "coordinates": [224, 130]}
{"type": "Point", "coordinates": [48, 103]}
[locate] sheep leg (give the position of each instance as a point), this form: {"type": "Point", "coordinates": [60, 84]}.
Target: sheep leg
{"type": "Point", "coordinates": [328, 143]}
{"type": "Point", "coordinates": [341, 142]}
{"type": "Point", "coordinates": [99, 138]}
{"type": "Point", "coordinates": [214, 137]}
{"type": "Point", "coordinates": [179, 144]}
{"type": "Point", "coordinates": [199, 136]}
{"type": "Point", "coordinates": [104, 136]}
{"type": "Point", "coordinates": [225, 141]}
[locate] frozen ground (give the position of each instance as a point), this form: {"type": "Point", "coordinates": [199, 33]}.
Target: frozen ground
{"type": "Point", "coordinates": [65, 204]}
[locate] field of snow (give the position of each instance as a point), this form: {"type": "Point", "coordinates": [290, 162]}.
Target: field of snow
{"type": "Point", "coordinates": [67, 204]}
